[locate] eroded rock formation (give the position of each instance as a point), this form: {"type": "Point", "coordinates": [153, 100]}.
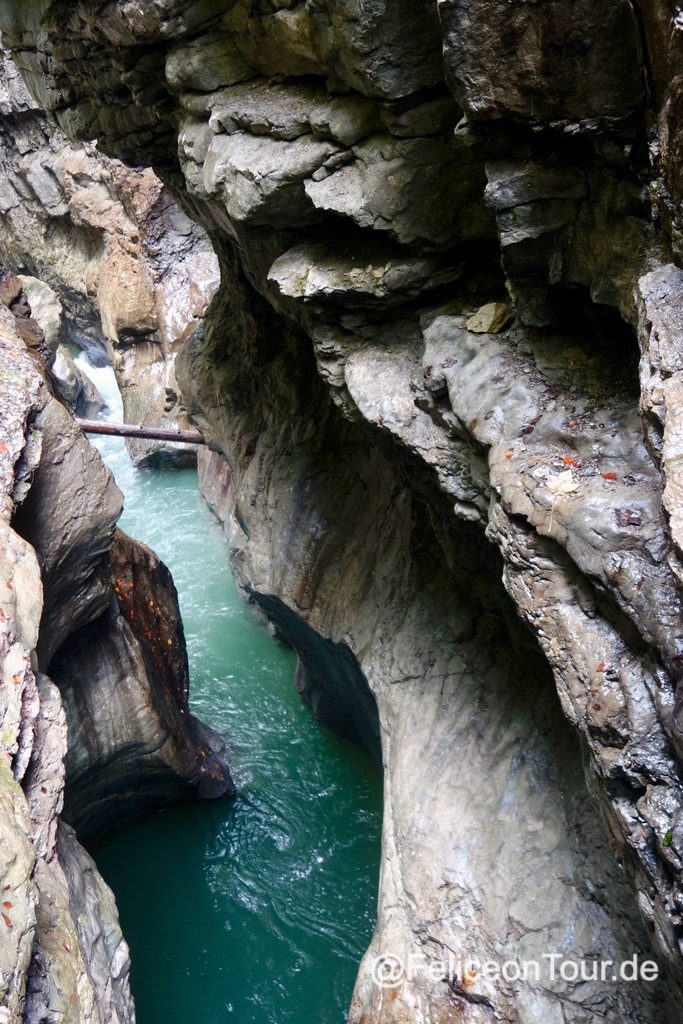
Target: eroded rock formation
{"type": "Point", "coordinates": [71, 384]}
{"type": "Point", "coordinates": [410, 479]}
{"type": "Point", "coordinates": [66, 573]}
{"type": "Point", "coordinates": [133, 272]}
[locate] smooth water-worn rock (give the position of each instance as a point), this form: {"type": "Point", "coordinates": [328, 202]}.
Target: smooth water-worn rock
{"type": "Point", "coordinates": [75, 389]}
{"type": "Point", "coordinates": [480, 521]}
{"type": "Point", "coordinates": [62, 954]}
{"type": "Point", "coordinates": [69, 516]}
{"type": "Point", "coordinates": [134, 746]}
{"type": "Point", "coordinates": [51, 958]}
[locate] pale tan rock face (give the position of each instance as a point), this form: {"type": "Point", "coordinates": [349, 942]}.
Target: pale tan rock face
{"type": "Point", "coordinates": [490, 319]}
{"type": "Point", "coordinates": [132, 272]}
{"type": "Point", "coordinates": [403, 489]}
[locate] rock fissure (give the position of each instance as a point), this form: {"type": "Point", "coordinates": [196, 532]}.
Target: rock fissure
{"type": "Point", "coordinates": [407, 475]}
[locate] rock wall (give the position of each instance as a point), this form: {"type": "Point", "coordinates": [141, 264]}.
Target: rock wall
{"type": "Point", "coordinates": [443, 369]}
{"type": "Point", "coordinates": [132, 271]}
{"type": "Point", "coordinates": [72, 386]}
{"type": "Point", "coordinates": [66, 574]}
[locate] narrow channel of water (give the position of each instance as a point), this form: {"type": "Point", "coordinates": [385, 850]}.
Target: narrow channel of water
{"type": "Point", "coordinates": [255, 911]}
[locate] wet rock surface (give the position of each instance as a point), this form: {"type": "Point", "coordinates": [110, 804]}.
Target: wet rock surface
{"type": "Point", "coordinates": [47, 957]}
{"type": "Point", "coordinates": [134, 745]}
{"type": "Point", "coordinates": [546, 63]}
{"type": "Point", "coordinates": [481, 507]}
{"type": "Point", "coordinates": [62, 954]}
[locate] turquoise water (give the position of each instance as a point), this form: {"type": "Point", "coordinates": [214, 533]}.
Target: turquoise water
{"type": "Point", "coordinates": [259, 909]}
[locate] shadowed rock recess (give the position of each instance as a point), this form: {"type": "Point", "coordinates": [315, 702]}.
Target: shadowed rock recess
{"type": "Point", "coordinates": [475, 513]}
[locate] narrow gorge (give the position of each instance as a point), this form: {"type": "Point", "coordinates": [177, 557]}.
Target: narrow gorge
{"type": "Point", "coordinates": [413, 269]}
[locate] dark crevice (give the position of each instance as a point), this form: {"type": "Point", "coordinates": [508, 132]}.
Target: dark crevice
{"type": "Point", "coordinates": [328, 677]}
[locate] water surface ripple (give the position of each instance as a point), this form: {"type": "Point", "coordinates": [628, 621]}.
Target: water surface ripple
{"type": "Point", "coordinates": [255, 911]}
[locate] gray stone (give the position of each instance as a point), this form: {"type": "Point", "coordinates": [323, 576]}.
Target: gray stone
{"type": "Point", "coordinates": [404, 490]}
{"type": "Point", "coordinates": [261, 180]}
{"type": "Point", "coordinates": [206, 63]}
{"type": "Point", "coordinates": [660, 305]}
{"type": "Point", "coordinates": [535, 220]}
{"type": "Point", "coordinates": [432, 117]}
{"type": "Point", "coordinates": [75, 389]}
{"type": "Point", "coordinates": [17, 862]}
{"type": "Point", "coordinates": [543, 61]}
{"type": "Point", "coordinates": [466, 717]}
{"type": "Point", "coordinates": [124, 679]}
{"type": "Point", "coordinates": [62, 954]}
{"type": "Point", "coordinates": [125, 263]}
{"type": "Point", "coordinates": [70, 527]}
{"type": "Point", "coordinates": [290, 111]}
{"type": "Point", "coordinates": [512, 184]}
{"type": "Point", "coordinates": [46, 308]}
{"type": "Point", "coordinates": [46, 185]}
{"type": "Point", "coordinates": [43, 967]}
{"type": "Point", "coordinates": [423, 190]}
{"type": "Point", "coordinates": [317, 271]}
{"type": "Point", "coordinates": [381, 49]}
{"type": "Point", "coordinates": [14, 96]}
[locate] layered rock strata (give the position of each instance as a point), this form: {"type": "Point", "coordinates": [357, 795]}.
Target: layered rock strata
{"type": "Point", "coordinates": [132, 271]}
{"type": "Point", "coordinates": [413, 478]}
{"type": "Point", "coordinates": [65, 573]}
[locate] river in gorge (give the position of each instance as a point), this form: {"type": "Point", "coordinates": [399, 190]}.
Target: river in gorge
{"type": "Point", "coordinates": [256, 910]}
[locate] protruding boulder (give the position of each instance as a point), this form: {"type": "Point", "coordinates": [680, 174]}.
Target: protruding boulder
{"type": "Point", "coordinates": [358, 274]}
{"type": "Point", "coordinates": [133, 743]}
{"type": "Point", "coordinates": [426, 190]}
{"type": "Point", "coordinates": [490, 319]}
{"type": "Point", "coordinates": [46, 308]}
{"type": "Point", "coordinates": [261, 180]}
{"type": "Point", "coordinates": [74, 387]}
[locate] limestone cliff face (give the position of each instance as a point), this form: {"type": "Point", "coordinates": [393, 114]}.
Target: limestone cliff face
{"type": "Point", "coordinates": [133, 273]}
{"type": "Point", "coordinates": [77, 722]}
{"type": "Point", "coordinates": [412, 471]}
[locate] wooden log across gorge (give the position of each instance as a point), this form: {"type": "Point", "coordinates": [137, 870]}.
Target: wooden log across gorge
{"type": "Point", "coordinates": [144, 433]}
